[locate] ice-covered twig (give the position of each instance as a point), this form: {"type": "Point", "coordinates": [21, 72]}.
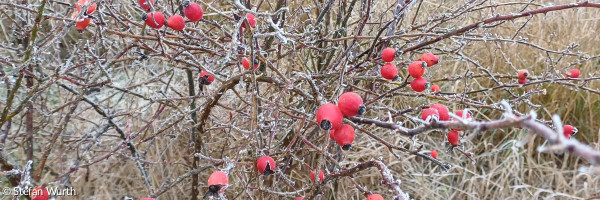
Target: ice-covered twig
{"type": "Point", "coordinates": [527, 121]}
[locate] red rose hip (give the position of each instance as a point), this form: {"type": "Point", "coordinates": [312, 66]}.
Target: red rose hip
{"type": "Point", "coordinates": [389, 72]}
{"type": "Point", "coordinates": [332, 134]}
{"type": "Point", "coordinates": [154, 20]}
{"type": "Point", "coordinates": [419, 84]}
{"type": "Point", "coordinates": [251, 19]}
{"type": "Point", "coordinates": [574, 73]}
{"type": "Point", "coordinates": [83, 22]}
{"type": "Point", "coordinates": [216, 183]}
{"type": "Point", "coordinates": [344, 136]}
{"type": "Point", "coordinates": [434, 154]}
{"type": "Point", "coordinates": [176, 22]}
{"type": "Point", "coordinates": [435, 88]}
{"type": "Point", "coordinates": [523, 74]}
{"type": "Point", "coordinates": [246, 63]}
{"type": "Point", "coordinates": [351, 104]}
{"type": "Point", "coordinates": [430, 58]}
{"type": "Point", "coordinates": [522, 81]}
{"type": "Point", "coordinates": [205, 78]}
{"type": "Point", "coordinates": [192, 11]}
{"type": "Point", "coordinates": [417, 69]}
{"type": "Point", "coordinates": [266, 165]}
{"type": "Point", "coordinates": [388, 54]}
{"type": "Point", "coordinates": [453, 137]}
{"type": "Point", "coordinates": [569, 130]}
{"type": "Point", "coordinates": [329, 117]}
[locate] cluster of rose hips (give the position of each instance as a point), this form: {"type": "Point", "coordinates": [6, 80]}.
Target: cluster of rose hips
{"type": "Point", "coordinates": [416, 69]}
{"type": "Point", "coordinates": [330, 117]}
{"type": "Point", "coordinates": [246, 61]}
{"type": "Point", "coordinates": [156, 20]}
{"type": "Point", "coordinates": [191, 10]}
{"type": "Point", "coordinates": [440, 112]}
